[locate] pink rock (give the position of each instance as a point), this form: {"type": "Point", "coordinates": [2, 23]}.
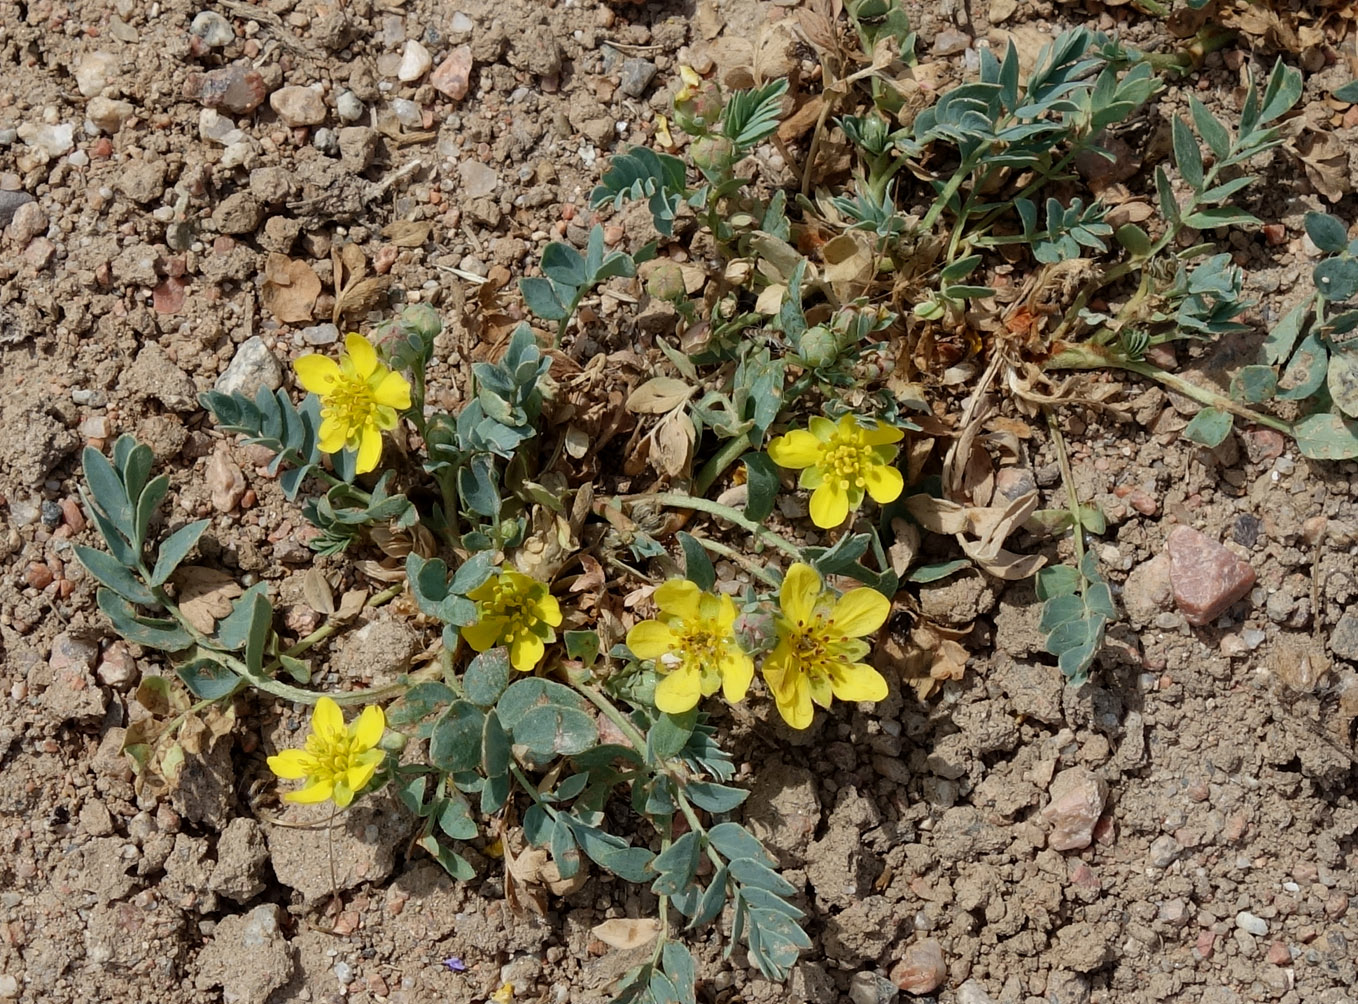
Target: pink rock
{"type": "Point", "coordinates": [298, 106]}
{"type": "Point", "coordinates": [1263, 444]}
{"type": "Point", "coordinates": [168, 297]}
{"type": "Point", "coordinates": [1077, 797]}
{"type": "Point", "coordinates": [238, 88]}
{"type": "Point", "coordinates": [452, 77]}
{"type": "Point", "coordinates": [1206, 944]}
{"type": "Point", "coordinates": [1278, 954]}
{"type": "Point", "coordinates": [225, 480]}
{"type": "Point", "coordinates": [1206, 577]}
{"type": "Point", "coordinates": [921, 969]}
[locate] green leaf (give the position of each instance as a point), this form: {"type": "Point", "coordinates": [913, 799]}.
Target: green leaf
{"type": "Point", "coordinates": [1209, 427]}
{"type": "Point", "coordinates": [564, 265]}
{"type": "Point", "coordinates": [1218, 137]}
{"type": "Point", "coordinates": [487, 676]}
{"type": "Point", "coordinates": [453, 863]}
{"type": "Point", "coordinates": [1349, 92]}
{"type": "Point", "coordinates": [455, 743]}
{"type": "Point", "coordinates": [669, 734]}
{"type": "Point", "coordinates": [1278, 345]}
{"type": "Point", "coordinates": [676, 865]}
{"type": "Point", "coordinates": [109, 494]}
{"type": "Point", "coordinates": [1327, 232]}
{"type": "Point", "coordinates": [1306, 372]}
{"type": "Point", "coordinates": [1327, 437]}
{"type": "Point", "coordinates": [1255, 384]}
{"type": "Point", "coordinates": [642, 173]}
{"type": "Point", "coordinates": [1134, 239]}
{"type": "Point", "coordinates": [937, 570]}
{"type": "Point", "coordinates": [109, 571]}
{"type": "Point", "coordinates": [1187, 155]}
{"type": "Point", "coordinates": [734, 841]}
{"type": "Point", "coordinates": [582, 645]}
{"type": "Point", "coordinates": [697, 565]}
{"type": "Point", "coordinates": [748, 871]}
{"type": "Point", "coordinates": [455, 817]}
{"type": "Point", "coordinates": [295, 668]}
{"type": "Point", "coordinates": [495, 751]}
{"type": "Point", "coordinates": [1222, 216]}
{"type": "Point", "coordinates": [1169, 206]}
{"type": "Point", "coordinates": [1336, 278]}
{"type": "Point", "coordinates": [419, 702]}
{"type": "Point", "coordinates": [543, 298]}
{"type": "Point", "coordinates": [762, 485]}
{"type": "Point", "coordinates": [1343, 380]}
{"type": "Point", "coordinates": [714, 797]}
{"type": "Point", "coordinates": [147, 503]}
{"type": "Point", "coordinates": [410, 793]}
{"type": "Point", "coordinates": [681, 970]}
{"type": "Point", "coordinates": [629, 863]}
{"type": "Point", "coordinates": [523, 695]}
{"type": "Point", "coordinates": [174, 548]}
{"type": "Point", "coordinates": [165, 635]}
{"type": "Point", "coordinates": [752, 115]}
{"type": "Point", "coordinates": [549, 729]}
{"type": "Point", "coordinates": [207, 679]}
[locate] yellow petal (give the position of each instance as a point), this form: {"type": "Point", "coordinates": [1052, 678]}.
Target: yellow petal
{"type": "Point", "coordinates": [725, 616]}
{"type": "Point", "coordinates": [679, 691]}
{"type": "Point", "coordinates": [359, 775]}
{"type": "Point", "coordinates": [801, 588]}
{"type": "Point", "coordinates": [327, 720]}
{"type": "Point", "coordinates": [485, 590]}
{"type": "Point", "coordinates": [485, 634]}
{"type": "Point", "coordinates": [680, 598]}
{"type": "Point", "coordinates": [332, 435]}
{"type": "Point", "coordinates": [317, 373]}
{"type": "Point", "coordinates": [385, 418]}
{"type": "Point", "coordinates": [819, 689]}
{"type": "Point", "coordinates": [796, 449]}
{"type": "Point", "coordinates": [737, 670]}
{"type": "Point", "coordinates": [292, 765]}
{"type": "Point", "coordinates": [368, 730]}
{"type": "Point", "coordinates": [393, 391]}
{"type": "Point", "coordinates": [881, 434]}
{"type": "Point", "coordinates": [369, 450]}
{"type": "Point", "coordinates": [650, 640]}
{"type": "Point", "coordinates": [312, 793]}
{"type": "Point", "coordinates": [858, 682]}
{"type": "Point", "coordinates": [526, 651]}
{"type": "Point", "coordinates": [343, 794]}
{"type": "Point", "coordinates": [794, 701]}
{"type": "Point", "coordinates": [860, 612]}
{"type": "Point", "coordinates": [822, 428]}
{"type": "Point", "coordinates": [812, 477]}
{"type": "Point", "coordinates": [549, 610]}
{"type": "Point", "coordinates": [884, 483]}
{"type": "Point", "coordinates": [829, 505]}
{"type": "Point", "coordinates": [361, 354]}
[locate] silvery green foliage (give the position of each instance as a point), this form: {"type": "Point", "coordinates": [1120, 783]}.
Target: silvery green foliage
{"type": "Point", "coordinates": [567, 275]}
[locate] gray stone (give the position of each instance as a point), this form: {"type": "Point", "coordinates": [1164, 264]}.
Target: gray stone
{"type": "Point", "coordinates": [241, 856]}
{"type": "Point", "coordinates": [142, 181]}
{"type": "Point", "coordinates": [271, 185]}
{"type": "Point", "coordinates": [253, 367]}
{"type": "Point", "coordinates": [51, 140]}
{"type": "Point", "coordinates": [1251, 924]}
{"type": "Point", "coordinates": [1344, 637]}
{"type": "Point", "coordinates": [238, 214]}
{"type": "Point", "coordinates": [477, 178]}
{"type": "Point", "coordinates": [867, 987]}
{"type": "Point", "coordinates": [950, 41]}
{"type": "Point", "coordinates": [213, 29]}
{"type": "Point", "coordinates": [636, 76]}
{"type": "Point", "coordinates": [1147, 591]}
{"type": "Point", "coordinates": [248, 957]}
{"type": "Point", "coordinates": [10, 203]}
{"type": "Point", "coordinates": [348, 107]}
{"type": "Point", "coordinates": [367, 837]}
{"type": "Point", "coordinates": [1165, 850]}
{"type": "Point", "coordinates": [320, 334]}
{"type": "Point", "coordinates": [972, 992]}
{"type": "Point", "coordinates": [154, 374]}
{"type": "Point", "coordinates": [357, 146]}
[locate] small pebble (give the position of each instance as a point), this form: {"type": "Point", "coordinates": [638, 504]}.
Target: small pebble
{"type": "Point", "coordinates": [922, 968]}
{"type": "Point", "coordinates": [415, 62]}
{"type": "Point", "coordinates": [1251, 924]}
{"type": "Point", "coordinates": [349, 107]}
{"type": "Point", "coordinates": [1164, 851]}
{"type": "Point", "coordinates": [213, 29]}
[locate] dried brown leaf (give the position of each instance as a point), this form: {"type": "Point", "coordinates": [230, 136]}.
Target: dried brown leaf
{"type": "Point", "coordinates": [674, 439]}
{"type": "Point", "coordinates": [408, 233]}
{"type": "Point", "coordinates": [317, 593]}
{"type": "Point", "coordinates": [627, 932]}
{"type": "Point", "coordinates": [360, 297]}
{"type": "Point", "coordinates": [290, 289]}
{"type": "Point", "coordinates": [204, 595]}
{"type": "Point", "coordinates": [659, 395]}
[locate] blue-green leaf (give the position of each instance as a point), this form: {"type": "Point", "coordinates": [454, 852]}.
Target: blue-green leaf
{"type": "Point", "coordinates": [174, 548]}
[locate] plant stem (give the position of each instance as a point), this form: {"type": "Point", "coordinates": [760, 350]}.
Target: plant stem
{"type": "Point", "coordinates": [1068, 476]}
{"type": "Point", "coordinates": [681, 501]}
{"type": "Point", "coordinates": [611, 712]}
{"type": "Point", "coordinates": [730, 552]}
{"type": "Point", "coordinates": [331, 626]}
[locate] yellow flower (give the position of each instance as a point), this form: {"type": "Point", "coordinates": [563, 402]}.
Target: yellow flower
{"type": "Point", "coordinates": [515, 610]}
{"type": "Point", "coordinates": [692, 81]}
{"type": "Point", "coordinates": [359, 396]}
{"type": "Point", "coordinates": [840, 461]}
{"type": "Point", "coordinates": [338, 762]}
{"type": "Point", "coordinates": [693, 643]}
{"type": "Point", "coordinates": [820, 646]}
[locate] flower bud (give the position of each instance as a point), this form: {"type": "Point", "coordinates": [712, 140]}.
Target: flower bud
{"type": "Point", "coordinates": [666, 282]}
{"type": "Point", "coordinates": [698, 107]}
{"type": "Point", "coordinates": [393, 741]}
{"type": "Point", "coordinates": [755, 632]}
{"type": "Point", "coordinates": [819, 347]}
{"type": "Point", "coordinates": [423, 320]}
{"type": "Point", "coordinates": [713, 154]}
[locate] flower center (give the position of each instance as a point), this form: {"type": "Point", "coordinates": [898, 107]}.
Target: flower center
{"type": "Point", "coordinates": [334, 757]}
{"type": "Point", "coordinates": [701, 645]}
{"type": "Point", "coordinates": [845, 463]}
{"type": "Point", "coordinates": [350, 402]}
{"type": "Point", "coordinates": [816, 645]}
{"type": "Point", "coordinates": [517, 607]}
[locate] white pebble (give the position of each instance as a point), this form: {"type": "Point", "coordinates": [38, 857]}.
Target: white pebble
{"type": "Point", "coordinates": [415, 62]}
{"type": "Point", "coordinates": [1251, 924]}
